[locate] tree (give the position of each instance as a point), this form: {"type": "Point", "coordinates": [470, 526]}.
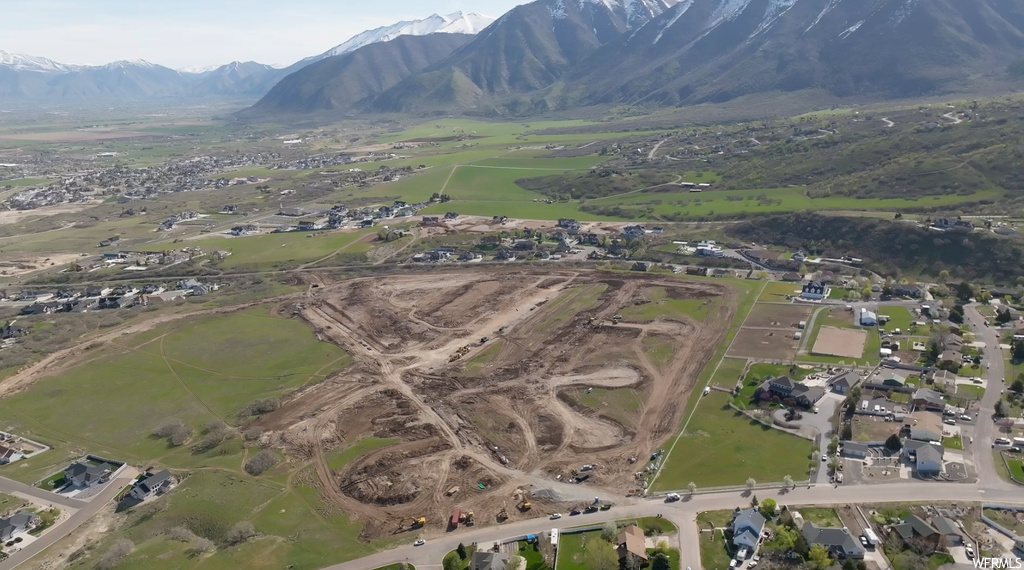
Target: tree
{"type": "Point", "coordinates": [984, 297]}
{"type": "Point", "coordinates": [819, 557]}
{"type": "Point", "coordinates": [753, 501]}
{"type": "Point", "coordinates": [1003, 316]}
{"type": "Point", "coordinates": [691, 487]}
{"type": "Point", "coordinates": [816, 456]}
{"type": "Point", "coordinates": [1017, 351]}
{"type": "Point", "coordinates": [751, 483]}
{"type": "Point", "coordinates": [1000, 409]}
{"type": "Point", "coordinates": [600, 555]}
{"type": "Point", "coordinates": [261, 462]}
{"type": "Point", "coordinates": [846, 433]}
{"type": "Point", "coordinates": [200, 545]}
{"type": "Point", "coordinates": [451, 562]}
{"type": "Point", "coordinates": [661, 561]}
{"type": "Point", "coordinates": [767, 508]}
{"type": "Point", "coordinates": [964, 291]}
{"type": "Point", "coordinates": [893, 443]}
{"type": "Point", "coordinates": [122, 547]}
{"type": "Point", "coordinates": [956, 314]}
{"type": "Point", "coordinates": [461, 551]}
{"type": "Point", "coordinates": [610, 531]}
{"type": "Point", "coordinates": [1018, 385]}
{"type": "Point", "coordinates": [785, 539]}
{"type": "Point", "coordinates": [787, 481]}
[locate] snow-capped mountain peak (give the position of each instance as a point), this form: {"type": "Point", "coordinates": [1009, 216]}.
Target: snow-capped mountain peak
{"type": "Point", "coordinates": [22, 62]}
{"type": "Point", "coordinates": [456, 23]}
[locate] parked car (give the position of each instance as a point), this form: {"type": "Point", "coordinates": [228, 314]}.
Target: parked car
{"type": "Point", "coordinates": [864, 541]}
{"type": "Point", "coordinates": [949, 421]}
{"type": "Point", "coordinates": [556, 516]}
{"type": "Point", "coordinates": [965, 417]}
{"type": "Point", "coordinates": [1014, 449]}
{"type": "Point", "coordinates": [419, 542]}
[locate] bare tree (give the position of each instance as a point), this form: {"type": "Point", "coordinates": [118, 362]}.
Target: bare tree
{"type": "Point", "coordinates": [691, 487]}
{"type": "Point", "coordinates": [751, 483]}
{"type": "Point", "coordinates": [787, 481]}
{"type": "Point", "coordinates": [122, 547]}
{"type": "Point", "coordinates": [240, 533]}
{"type": "Point", "coordinates": [200, 545]}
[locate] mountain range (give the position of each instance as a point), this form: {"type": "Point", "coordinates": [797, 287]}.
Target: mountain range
{"type": "Point", "coordinates": [38, 79]}
{"type": "Point", "coordinates": [563, 54]}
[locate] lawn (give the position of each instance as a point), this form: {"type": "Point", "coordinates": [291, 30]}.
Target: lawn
{"type": "Point", "coordinates": [196, 370]}
{"type": "Point", "coordinates": [823, 517]}
{"type": "Point", "coordinates": [777, 291]}
{"type": "Point", "coordinates": [969, 391]}
{"type": "Point", "coordinates": [899, 317]}
{"type": "Point", "coordinates": [572, 550]}
{"type": "Point", "coordinates": [729, 372]}
{"type": "Point", "coordinates": [279, 250]}
{"type": "Point", "coordinates": [953, 442]}
{"type": "Point", "coordinates": [714, 553]}
{"type": "Point", "coordinates": [1006, 519]}
{"type": "Point", "coordinates": [722, 447]}
{"type": "Point", "coordinates": [660, 304]}
{"type": "Point", "coordinates": [533, 556]}
{"type": "Point", "coordinates": [659, 349]}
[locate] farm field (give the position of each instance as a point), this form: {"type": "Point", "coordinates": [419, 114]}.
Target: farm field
{"type": "Point", "coordinates": [776, 344]}
{"type": "Point", "coordinates": [770, 315]}
{"type": "Point", "coordinates": [198, 371]}
{"type": "Point", "coordinates": [776, 291]}
{"type": "Point", "coordinates": [839, 318]}
{"type": "Point", "coordinates": [283, 249]}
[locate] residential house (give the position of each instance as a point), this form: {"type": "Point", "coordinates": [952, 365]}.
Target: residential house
{"type": "Point", "coordinates": [367, 223]}
{"type": "Point", "coordinates": [20, 522]}
{"type": "Point", "coordinates": [699, 271]}
{"type": "Point", "coordinates": [922, 434]}
{"type": "Point", "coordinates": [633, 232]}
{"type": "Point", "coordinates": [763, 255]}
{"type": "Point", "coordinates": [291, 212]}
{"type": "Point", "coordinates": [951, 356]}
{"type": "Point", "coordinates": [746, 527]}
{"type": "Point", "coordinates": [785, 387]}
{"type": "Point", "coordinates": [917, 529]}
{"type": "Point", "coordinates": [814, 291]}
{"type": "Point", "coordinates": [430, 221]}
{"type": "Point", "coordinates": [949, 531]}
{"type": "Point", "coordinates": [244, 229]}
{"type": "Point", "coordinates": [632, 547]}
{"type": "Point", "coordinates": [151, 484]}
{"type": "Point", "coordinates": [927, 399]}
{"type": "Point", "coordinates": [639, 266]}
{"type": "Point", "coordinates": [909, 291]}
{"type": "Point", "coordinates": [855, 450]}
{"type": "Point", "coordinates": [952, 224]}
{"type": "Point", "coordinates": [838, 541]}
{"type": "Point", "coordinates": [9, 454]}
{"type": "Point", "coordinates": [10, 331]}
{"type": "Point", "coordinates": [944, 380]}
{"type": "Point", "coordinates": [306, 226]}
{"type": "Point", "coordinates": [569, 224]}
{"type": "Point", "coordinates": [842, 383]}
{"type": "Point", "coordinates": [451, 216]}
{"type": "Point", "coordinates": [925, 456]}
{"type": "Point", "coordinates": [86, 474]}
{"type": "Point", "coordinates": [792, 277]}
{"type": "Point", "coordinates": [799, 256]}
{"type": "Point", "coordinates": [489, 561]}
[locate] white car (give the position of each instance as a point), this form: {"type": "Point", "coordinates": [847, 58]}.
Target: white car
{"type": "Point", "coordinates": [556, 516]}
{"type": "Point", "coordinates": [419, 542]}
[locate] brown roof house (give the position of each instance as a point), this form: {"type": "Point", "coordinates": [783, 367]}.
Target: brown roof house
{"type": "Point", "coordinates": [631, 544]}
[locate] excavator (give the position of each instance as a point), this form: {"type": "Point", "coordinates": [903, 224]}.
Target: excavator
{"type": "Point", "coordinates": [414, 523]}
{"type": "Point", "coordinates": [524, 505]}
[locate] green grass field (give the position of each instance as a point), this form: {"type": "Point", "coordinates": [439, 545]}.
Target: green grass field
{"type": "Point", "coordinates": [197, 370]}
{"type": "Point", "coordinates": [823, 517]}
{"type": "Point", "coordinates": [723, 447]}
{"type": "Point", "coordinates": [777, 291]}
{"type": "Point", "coordinates": [714, 552]}
{"type": "Point", "coordinates": [899, 318]}
{"type": "Point", "coordinates": [619, 404]}
{"type": "Point", "coordinates": [729, 372]}
{"type": "Point", "coordinates": [338, 458]}
{"type": "Point", "coordinates": [659, 349]}
{"type": "Point", "coordinates": [280, 250]}
{"type": "Point", "coordinates": [661, 305]}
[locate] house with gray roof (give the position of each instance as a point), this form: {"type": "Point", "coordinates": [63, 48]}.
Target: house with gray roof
{"type": "Point", "coordinates": [917, 529]}
{"type": "Point", "coordinates": [20, 522]}
{"type": "Point", "coordinates": [927, 399]}
{"type": "Point", "coordinates": [86, 474]}
{"type": "Point", "coordinates": [489, 561]}
{"type": "Point", "coordinates": [855, 450]}
{"type": "Point", "coordinates": [151, 484]}
{"type": "Point", "coordinates": [842, 383]}
{"type": "Point", "coordinates": [944, 379]}
{"type": "Point", "coordinates": [838, 541]}
{"type": "Point", "coordinates": [950, 531]}
{"type": "Point", "coordinates": [925, 456]}
{"type": "Point", "coordinates": [746, 527]}
{"type": "Point", "coordinates": [785, 387]}
{"type": "Point", "coordinates": [922, 434]}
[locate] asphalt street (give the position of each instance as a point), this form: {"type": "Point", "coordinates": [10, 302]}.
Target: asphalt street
{"type": "Point", "coordinates": [84, 512]}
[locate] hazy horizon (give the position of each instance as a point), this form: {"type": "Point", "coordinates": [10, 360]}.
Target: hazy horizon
{"type": "Point", "coordinates": [190, 33]}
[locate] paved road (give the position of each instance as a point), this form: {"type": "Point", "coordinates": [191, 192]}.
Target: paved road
{"type": "Point", "coordinates": [985, 430]}
{"type": "Point", "coordinates": [35, 493]}
{"type": "Point", "coordinates": [684, 514]}
{"type": "Point", "coordinates": [79, 517]}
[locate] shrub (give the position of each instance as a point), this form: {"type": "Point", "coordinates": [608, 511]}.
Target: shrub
{"type": "Point", "coordinates": [122, 547]}
{"type": "Point", "coordinates": [168, 427]}
{"type": "Point", "coordinates": [180, 534]}
{"type": "Point", "coordinates": [200, 545]}
{"type": "Point", "coordinates": [261, 462]}
{"type": "Point", "coordinates": [240, 533]}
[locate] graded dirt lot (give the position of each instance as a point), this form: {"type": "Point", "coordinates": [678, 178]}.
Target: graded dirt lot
{"type": "Point", "coordinates": [558, 383]}
{"type": "Point", "coordinates": [834, 341]}
{"type": "Point", "coordinates": [775, 344]}
{"type": "Point", "coordinates": [776, 315]}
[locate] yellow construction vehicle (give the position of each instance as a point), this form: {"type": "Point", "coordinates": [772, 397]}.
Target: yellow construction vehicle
{"type": "Point", "coordinates": [524, 505]}
{"type": "Point", "coordinates": [502, 514]}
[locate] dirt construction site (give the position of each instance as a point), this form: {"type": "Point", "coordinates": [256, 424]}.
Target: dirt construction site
{"type": "Point", "coordinates": [474, 377]}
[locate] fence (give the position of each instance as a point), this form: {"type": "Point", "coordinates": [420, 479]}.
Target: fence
{"type": "Point", "coordinates": [996, 525]}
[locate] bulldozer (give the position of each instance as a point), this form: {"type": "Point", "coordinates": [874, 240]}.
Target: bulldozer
{"type": "Point", "coordinates": [502, 514]}
{"type": "Point", "coordinates": [524, 505]}
{"type": "Point", "coordinates": [467, 518]}
{"type": "Point", "coordinates": [414, 522]}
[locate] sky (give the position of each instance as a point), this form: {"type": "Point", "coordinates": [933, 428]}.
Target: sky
{"type": "Point", "coordinates": [187, 33]}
